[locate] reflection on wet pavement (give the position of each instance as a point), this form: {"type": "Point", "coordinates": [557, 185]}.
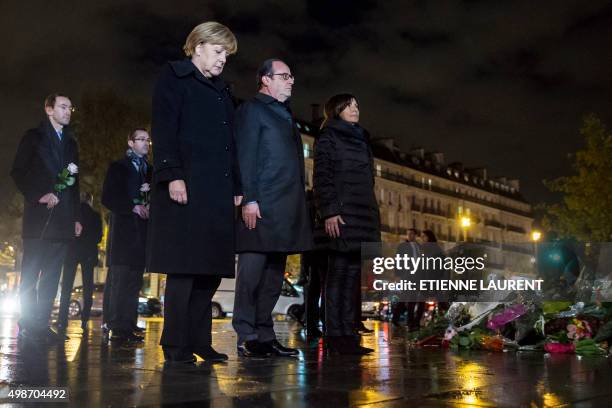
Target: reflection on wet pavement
{"type": "Point", "coordinates": [101, 374]}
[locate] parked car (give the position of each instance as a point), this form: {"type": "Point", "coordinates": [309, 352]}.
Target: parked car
{"type": "Point", "coordinates": [9, 304]}
{"type": "Point", "coordinates": [147, 305]}
{"type": "Point", "coordinates": [375, 310]}
{"type": "Point", "coordinates": [290, 302]}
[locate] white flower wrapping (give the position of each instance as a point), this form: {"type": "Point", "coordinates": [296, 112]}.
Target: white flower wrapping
{"type": "Point", "coordinates": [145, 188]}
{"type": "Point", "coordinates": [73, 168]}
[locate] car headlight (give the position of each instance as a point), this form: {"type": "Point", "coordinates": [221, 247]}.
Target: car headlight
{"type": "Point", "coordinates": [10, 305]}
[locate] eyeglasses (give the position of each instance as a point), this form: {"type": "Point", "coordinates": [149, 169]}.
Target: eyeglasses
{"type": "Point", "coordinates": [286, 76]}
{"type": "Point", "coordinates": [142, 139]}
{"type": "Point", "coordinates": [68, 107]}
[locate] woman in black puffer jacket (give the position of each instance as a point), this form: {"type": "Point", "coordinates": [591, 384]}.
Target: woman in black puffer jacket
{"type": "Point", "coordinates": [347, 214]}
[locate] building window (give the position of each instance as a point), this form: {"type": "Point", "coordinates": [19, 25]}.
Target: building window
{"type": "Point", "coordinates": [378, 170]}
{"type": "Point", "coordinates": [306, 150]}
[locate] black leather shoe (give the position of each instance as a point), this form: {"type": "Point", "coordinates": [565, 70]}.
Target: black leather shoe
{"type": "Point", "coordinates": [361, 328]}
{"type": "Point", "coordinates": [29, 335]}
{"type": "Point", "coordinates": [353, 344]}
{"type": "Point", "coordinates": [210, 354]}
{"type": "Point", "coordinates": [346, 345]}
{"type": "Point", "coordinates": [55, 336]}
{"type": "Point", "coordinates": [253, 348]}
{"type": "Point", "coordinates": [281, 350]}
{"type": "Point", "coordinates": [177, 355]}
{"type": "Point", "coordinates": [313, 332]}
{"type": "Point", "coordinates": [125, 337]}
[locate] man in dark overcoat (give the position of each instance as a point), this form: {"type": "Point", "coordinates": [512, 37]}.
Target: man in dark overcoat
{"type": "Point", "coordinates": [50, 215]}
{"type": "Point", "coordinates": [275, 220]}
{"type": "Point", "coordinates": [415, 310]}
{"type": "Point", "coordinates": [196, 185]}
{"type": "Point", "coordinates": [125, 194]}
{"type": "Point", "coordinates": [83, 251]}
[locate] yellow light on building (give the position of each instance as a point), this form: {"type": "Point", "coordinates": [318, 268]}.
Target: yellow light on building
{"type": "Point", "coordinates": [466, 222]}
{"type": "Point", "coordinates": [536, 236]}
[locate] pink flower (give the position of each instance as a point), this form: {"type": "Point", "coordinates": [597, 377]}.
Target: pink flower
{"type": "Point", "coordinates": [578, 329]}
{"type": "Point", "coordinates": [509, 314]}
{"type": "Point", "coordinates": [559, 348]}
{"type": "Point", "coordinates": [145, 188]}
{"type": "Point", "coordinates": [450, 333]}
{"type": "Point", "coordinates": [571, 331]}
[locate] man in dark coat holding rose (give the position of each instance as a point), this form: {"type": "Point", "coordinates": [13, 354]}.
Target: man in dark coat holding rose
{"type": "Point", "coordinates": [125, 194]}
{"type": "Point", "coordinates": [45, 172]}
{"type": "Point", "coordinates": [275, 220]}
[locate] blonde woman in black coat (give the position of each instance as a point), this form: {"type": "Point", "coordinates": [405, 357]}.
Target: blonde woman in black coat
{"type": "Point", "coordinates": [195, 187]}
{"type": "Point", "coordinates": [348, 214]}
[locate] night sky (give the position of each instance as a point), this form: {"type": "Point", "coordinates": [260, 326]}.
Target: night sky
{"type": "Point", "coordinates": [502, 85]}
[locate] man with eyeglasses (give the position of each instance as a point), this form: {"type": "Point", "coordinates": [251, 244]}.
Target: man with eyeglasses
{"type": "Point", "coordinates": [126, 195]}
{"type": "Point", "coordinates": [275, 220]}
{"type": "Point", "coordinates": [51, 214]}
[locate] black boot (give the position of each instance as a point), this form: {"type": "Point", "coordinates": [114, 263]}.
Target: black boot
{"type": "Point", "coordinates": [333, 344]}
{"type": "Point", "coordinates": [352, 346]}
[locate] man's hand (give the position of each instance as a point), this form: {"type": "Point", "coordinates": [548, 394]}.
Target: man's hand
{"type": "Point", "coordinates": [178, 191]}
{"type": "Point", "coordinates": [332, 226]}
{"type": "Point", "coordinates": [142, 211]}
{"type": "Point", "coordinates": [237, 200]}
{"type": "Point", "coordinates": [250, 214]}
{"type": "Point", "coordinates": [50, 199]}
{"type": "Point", "coordinates": [78, 228]}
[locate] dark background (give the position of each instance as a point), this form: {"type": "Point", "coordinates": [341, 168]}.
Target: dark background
{"type": "Point", "coordinates": [497, 84]}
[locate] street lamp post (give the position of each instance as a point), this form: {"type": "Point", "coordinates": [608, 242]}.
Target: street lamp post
{"type": "Point", "coordinates": [535, 237]}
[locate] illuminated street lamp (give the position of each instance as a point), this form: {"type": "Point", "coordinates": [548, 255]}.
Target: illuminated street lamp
{"type": "Point", "coordinates": [535, 237]}
{"type": "Point", "coordinates": [466, 222]}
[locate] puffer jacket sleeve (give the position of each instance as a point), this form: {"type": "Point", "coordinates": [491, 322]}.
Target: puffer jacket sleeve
{"type": "Point", "coordinates": [326, 196]}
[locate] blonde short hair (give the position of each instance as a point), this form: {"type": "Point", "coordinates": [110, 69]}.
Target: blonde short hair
{"type": "Point", "coordinates": [210, 32]}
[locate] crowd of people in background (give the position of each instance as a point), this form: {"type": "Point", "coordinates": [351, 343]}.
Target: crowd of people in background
{"type": "Point", "coordinates": [177, 215]}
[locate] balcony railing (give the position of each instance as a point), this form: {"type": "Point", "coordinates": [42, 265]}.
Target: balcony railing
{"type": "Point", "coordinates": [407, 181]}
{"type": "Point", "coordinates": [436, 211]}
{"type": "Point", "coordinates": [393, 230]}
{"type": "Point", "coordinates": [494, 223]}
{"type": "Point", "coordinates": [514, 228]}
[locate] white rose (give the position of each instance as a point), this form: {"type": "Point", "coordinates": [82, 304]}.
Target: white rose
{"type": "Point", "coordinates": [73, 168]}
{"type": "Point", "coordinates": [145, 188]}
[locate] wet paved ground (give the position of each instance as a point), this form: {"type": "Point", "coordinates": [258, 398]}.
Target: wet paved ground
{"type": "Point", "coordinates": [101, 375]}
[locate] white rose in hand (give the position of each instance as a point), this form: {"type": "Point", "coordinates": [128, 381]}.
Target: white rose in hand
{"type": "Point", "coordinates": [73, 168]}
{"type": "Point", "coordinates": [145, 188]}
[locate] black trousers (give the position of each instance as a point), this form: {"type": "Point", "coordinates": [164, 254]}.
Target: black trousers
{"type": "Point", "coordinates": [41, 268]}
{"type": "Point", "coordinates": [107, 296]}
{"type": "Point", "coordinates": [122, 306]}
{"type": "Point", "coordinates": [187, 311]}
{"type": "Point", "coordinates": [88, 264]}
{"type": "Point", "coordinates": [314, 291]}
{"type": "Point", "coordinates": [340, 290]}
{"type": "Point", "coordinates": [258, 287]}
{"type": "Point", "coordinates": [415, 312]}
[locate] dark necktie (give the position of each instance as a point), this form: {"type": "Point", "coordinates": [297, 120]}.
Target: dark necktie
{"type": "Point", "coordinates": [142, 166]}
